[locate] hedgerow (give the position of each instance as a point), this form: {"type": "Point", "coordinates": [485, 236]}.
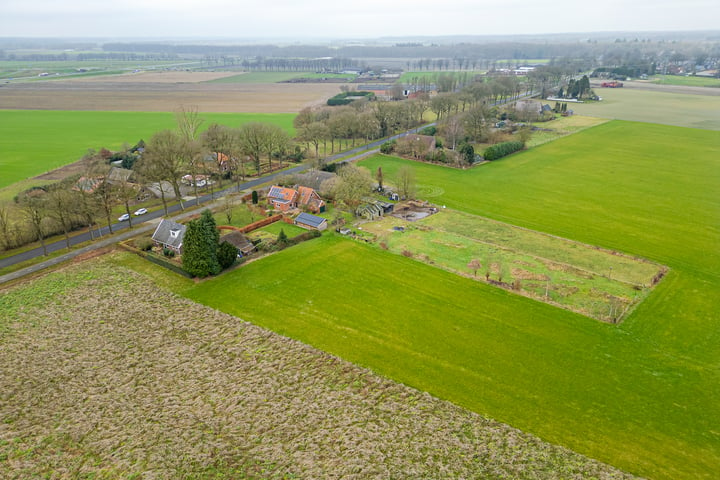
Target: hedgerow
{"type": "Point", "coordinates": [502, 149]}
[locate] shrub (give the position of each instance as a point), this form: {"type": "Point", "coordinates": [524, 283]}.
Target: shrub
{"type": "Point", "coordinates": [430, 131]}
{"type": "Point", "coordinates": [226, 255]}
{"type": "Point", "coordinates": [145, 244]}
{"type": "Point", "coordinates": [502, 149]}
{"type": "Point", "coordinates": [388, 147]}
{"type": "Point", "coordinates": [168, 252]}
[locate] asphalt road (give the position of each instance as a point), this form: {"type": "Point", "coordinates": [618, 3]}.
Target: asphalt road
{"type": "Point", "coordinates": [141, 224]}
{"type": "Point", "coordinates": [123, 230]}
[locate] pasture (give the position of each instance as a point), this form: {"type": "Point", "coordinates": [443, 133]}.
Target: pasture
{"type": "Point", "coordinates": [663, 106]}
{"type": "Point", "coordinates": [641, 395]}
{"type": "Point", "coordinates": [34, 142]}
{"type": "Point", "coordinates": [691, 81]}
{"type": "Point", "coordinates": [586, 280]}
{"type": "Point", "coordinates": [127, 380]}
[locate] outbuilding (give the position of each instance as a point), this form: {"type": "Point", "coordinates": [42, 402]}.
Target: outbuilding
{"type": "Point", "coordinates": [311, 222]}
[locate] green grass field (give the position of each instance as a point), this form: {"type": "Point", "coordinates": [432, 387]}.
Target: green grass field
{"type": "Point", "coordinates": [641, 395]}
{"type": "Point", "coordinates": [583, 279]}
{"type": "Point", "coordinates": [686, 81]}
{"type": "Point", "coordinates": [433, 75]}
{"type": "Point", "coordinates": [34, 142]}
{"type": "Point", "coordinates": [696, 111]}
{"type": "Point", "coordinates": [13, 69]}
{"type": "Point", "coordinates": [259, 77]}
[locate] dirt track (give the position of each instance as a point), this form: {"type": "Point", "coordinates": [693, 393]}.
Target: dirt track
{"type": "Point", "coordinates": [147, 95]}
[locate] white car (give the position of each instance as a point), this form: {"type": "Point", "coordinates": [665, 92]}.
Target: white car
{"type": "Point", "coordinates": [142, 211]}
{"type": "Point", "coordinates": [124, 217]}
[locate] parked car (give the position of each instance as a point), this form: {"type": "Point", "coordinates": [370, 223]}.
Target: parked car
{"type": "Point", "coordinates": [124, 217]}
{"type": "Point", "coordinates": [141, 211]}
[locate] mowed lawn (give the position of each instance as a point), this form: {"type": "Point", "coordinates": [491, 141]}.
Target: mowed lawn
{"type": "Point", "coordinates": [641, 395]}
{"type": "Point", "coordinates": [33, 142]}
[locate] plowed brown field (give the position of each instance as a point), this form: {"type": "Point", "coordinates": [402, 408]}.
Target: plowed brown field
{"type": "Point", "coordinates": [163, 92]}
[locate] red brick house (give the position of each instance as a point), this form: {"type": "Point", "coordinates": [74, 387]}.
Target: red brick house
{"type": "Point", "coordinates": [286, 199]}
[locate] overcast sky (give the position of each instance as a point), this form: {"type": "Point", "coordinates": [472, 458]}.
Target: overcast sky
{"type": "Point", "coordinates": [298, 19]}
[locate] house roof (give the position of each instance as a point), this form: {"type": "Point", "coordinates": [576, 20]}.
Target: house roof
{"type": "Point", "coordinates": [88, 184]}
{"type": "Point", "coordinates": [169, 233]}
{"type": "Point", "coordinates": [119, 175]}
{"type": "Point", "coordinates": [310, 220]}
{"type": "Point", "coordinates": [239, 241]}
{"type": "Point", "coordinates": [281, 194]}
{"type": "Point", "coordinates": [428, 140]}
{"type": "Point", "coordinates": [313, 179]}
{"type": "Point", "coordinates": [308, 196]}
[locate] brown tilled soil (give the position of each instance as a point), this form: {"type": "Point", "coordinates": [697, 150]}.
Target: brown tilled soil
{"type": "Point", "coordinates": [105, 375]}
{"type": "Point", "coordinates": [139, 94]}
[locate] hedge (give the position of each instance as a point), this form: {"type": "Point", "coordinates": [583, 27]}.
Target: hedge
{"type": "Point", "coordinates": [502, 149]}
{"type": "Point", "coordinates": [341, 98]}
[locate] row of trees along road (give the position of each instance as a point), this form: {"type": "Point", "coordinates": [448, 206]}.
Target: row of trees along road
{"type": "Point", "coordinates": [249, 150]}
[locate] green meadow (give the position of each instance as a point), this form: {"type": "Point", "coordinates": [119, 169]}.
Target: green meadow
{"type": "Point", "coordinates": [641, 395]}
{"type": "Point", "coordinates": [669, 108]}
{"type": "Point", "coordinates": [33, 142]}
{"type": "Point", "coordinates": [259, 77]}
{"type": "Point", "coordinates": [691, 81]}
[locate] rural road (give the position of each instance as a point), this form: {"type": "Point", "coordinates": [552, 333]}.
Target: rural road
{"type": "Point", "coordinates": [122, 231]}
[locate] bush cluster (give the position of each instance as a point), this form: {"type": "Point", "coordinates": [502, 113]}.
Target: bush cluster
{"type": "Point", "coordinates": [342, 98]}
{"type": "Point", "coordinates": [502, 149]}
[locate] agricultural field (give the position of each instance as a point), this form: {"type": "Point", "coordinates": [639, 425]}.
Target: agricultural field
{"type": "Point", "coordinates": [685, 81]}
{"type": "Point", "coordinates": [640, 395]}
{"type": "Point", "coordinates": [148, 93]}
{"type": "Point", "coordinates": [19, 71]}
{"type": "Point", "coordinates": [34, 142]}
{"type": "Point", "coordinates": [127, 380]}
{"type": "Point", "coordinates": [431, 77]}
{"type": "Point", "coordinates": [580, 278]}
{"type": "Point", "coordinates": [697, 108]}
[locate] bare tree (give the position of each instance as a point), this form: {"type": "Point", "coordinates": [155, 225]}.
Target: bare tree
{"type": "Point", "coordinates": [313, 134]}
{"type": "Point", "coordinates": [253, 138]}
{"type": "Point", "coordinates": [405, 181]}
{"type": "Point", "coordinates": [453, 130]}
{"type": "Point", "coordinates": [32, 204]}
{"type": "Point", "coordinates": [168, 152]}
{"type": "Point", "coordinates": [474, 265]}
{"type": "Point", "coordinates": [354, 183]}
{"type": "Point", "coordinates": [61, 207]}
{"type": "Point", "coordinates": [5, 242]}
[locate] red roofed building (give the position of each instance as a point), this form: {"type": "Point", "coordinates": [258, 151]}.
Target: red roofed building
{"type": "Point", "coordinates": [285, 199]}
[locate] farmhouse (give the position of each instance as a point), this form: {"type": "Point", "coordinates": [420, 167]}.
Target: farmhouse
{"type": "Point", "coordinates": [311, 222]}
{"type": "Point", "coordinates": [285, 199]}
{"type": "Point", "coordinates": [170, 235]}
